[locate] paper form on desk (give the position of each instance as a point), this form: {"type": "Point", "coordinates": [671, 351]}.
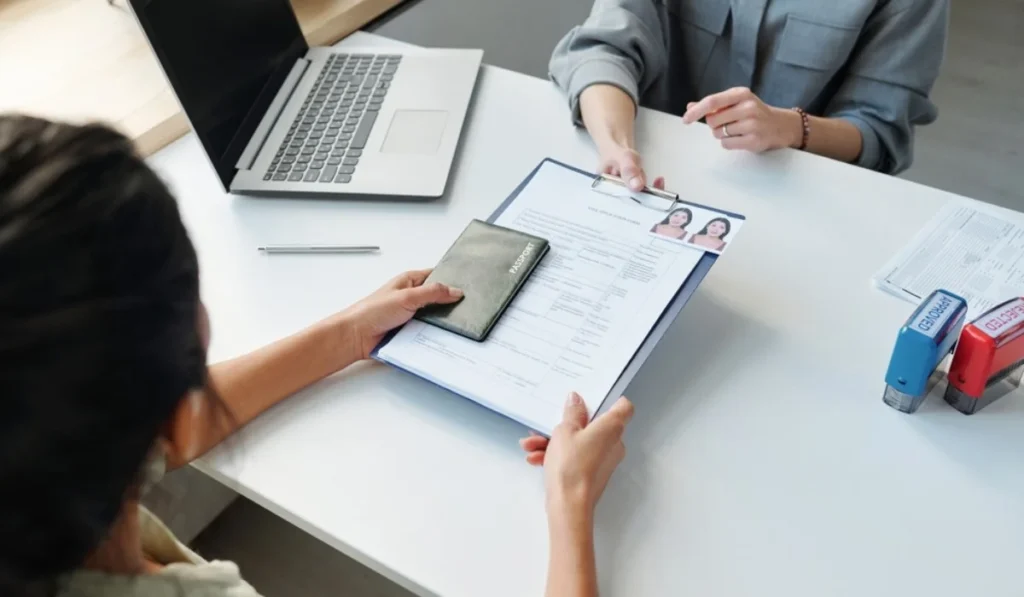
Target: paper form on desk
{"type": "Point", "coordinates": [578, 320]}
{"type": "Point", "coordinates": [970, 249]}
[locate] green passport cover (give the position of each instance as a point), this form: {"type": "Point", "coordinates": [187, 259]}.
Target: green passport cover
{"type": "Point", "coordinates": [489, 264]}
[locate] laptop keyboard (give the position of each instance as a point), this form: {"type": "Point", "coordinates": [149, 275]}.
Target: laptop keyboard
{"type": "Point", "coordinates": [327, 138]}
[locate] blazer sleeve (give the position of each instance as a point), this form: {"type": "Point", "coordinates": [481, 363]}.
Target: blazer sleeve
{"type": "Point", "coordinates": [889, 78]}
{"type": "Point", "coordinates": [620, 44]}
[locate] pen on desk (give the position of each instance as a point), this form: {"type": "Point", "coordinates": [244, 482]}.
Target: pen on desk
{"type": "Point", "coordinates": [306, 249]}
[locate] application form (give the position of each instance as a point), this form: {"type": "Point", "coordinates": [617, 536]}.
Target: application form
{"type": "Point", "coordinates": [970, 249]}
{"type": "Point", "coordinates": [580, 317]}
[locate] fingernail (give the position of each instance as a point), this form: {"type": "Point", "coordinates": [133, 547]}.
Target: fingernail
{"type": "Point", "coordinates": [574, 399]}
{"type": "Point", "coordinates": [455, 292]}
{"type": "Point", "coordinates": [636, 183]}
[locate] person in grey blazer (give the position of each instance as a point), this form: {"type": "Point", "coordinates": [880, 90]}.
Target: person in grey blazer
{"type": "Point", "coordinates": [848, 80]}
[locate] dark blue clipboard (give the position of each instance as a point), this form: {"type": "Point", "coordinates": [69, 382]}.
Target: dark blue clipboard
{"type": "Point", "coordinates": [665, 321]}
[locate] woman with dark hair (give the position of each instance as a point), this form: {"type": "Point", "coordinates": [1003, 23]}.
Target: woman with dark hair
{"type": "Point", "coordinates": [674, 225]}
{"type": "Point", "coordinates": [104, 382]}
{"type": "Point", "coordinates": [712, 236]}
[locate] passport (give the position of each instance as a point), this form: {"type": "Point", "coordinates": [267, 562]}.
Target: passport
{"type": "Point", "coordinates": [489, 263]}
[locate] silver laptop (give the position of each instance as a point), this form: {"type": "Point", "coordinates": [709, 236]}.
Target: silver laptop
{"type": "Point", "coordinates": [277, 117]}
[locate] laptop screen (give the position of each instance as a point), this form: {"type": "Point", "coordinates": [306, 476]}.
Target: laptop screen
{"type": "Point", "coordinates": [225, 59]}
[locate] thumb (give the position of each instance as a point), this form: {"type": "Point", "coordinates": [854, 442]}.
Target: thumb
{"type": "Point", "coordinates": [632, 172]}
{"type": "Point", "coordinates": [614, 421]}
{"type": "Point", "coordinates": [429, 294]}
{"type": "Point", "coordinates": [575, 414]}
{"type": "Point", "coordinates": [622, 410]}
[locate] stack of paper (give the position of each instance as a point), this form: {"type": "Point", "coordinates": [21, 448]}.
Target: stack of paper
{"type": "Point", "coordinates": [971, 249]}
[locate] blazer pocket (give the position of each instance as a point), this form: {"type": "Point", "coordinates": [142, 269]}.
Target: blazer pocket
{"type": "Point", "coordinates": [696, 26]}
{"type": "Point", "coordinates": [709, 15]}
{"type": "Point", "coordinates": [816, 46]}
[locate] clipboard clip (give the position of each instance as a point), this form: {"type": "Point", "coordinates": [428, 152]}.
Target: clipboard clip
{"type": "Point", "coordinates": [671, 198]}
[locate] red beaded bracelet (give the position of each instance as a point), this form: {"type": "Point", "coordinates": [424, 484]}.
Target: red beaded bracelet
{"type": "Point", "coordinates": [806, 121]}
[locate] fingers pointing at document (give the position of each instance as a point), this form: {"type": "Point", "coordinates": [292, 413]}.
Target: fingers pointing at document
{"type": "Point", "coordinates": [742, 121]}
{"type": "Point", "coordinates": [581, 455]}
{"type": "Point", "coordinates": [737, 117]}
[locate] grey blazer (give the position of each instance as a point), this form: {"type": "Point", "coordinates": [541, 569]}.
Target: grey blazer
{"type": "Point", "coordinates": [871, 62]}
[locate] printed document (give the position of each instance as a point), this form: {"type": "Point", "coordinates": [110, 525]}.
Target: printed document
{"type": "Point", "coordinates": [970, 249]}
{"type": "Point", "coordinates": [580, 317]}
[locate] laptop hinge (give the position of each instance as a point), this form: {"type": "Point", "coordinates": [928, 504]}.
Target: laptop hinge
{"type": "Point", "coordinates": [284, 93]}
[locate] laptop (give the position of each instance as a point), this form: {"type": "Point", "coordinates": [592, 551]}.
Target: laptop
{"type": "Point", "coordinates": [277, 117]}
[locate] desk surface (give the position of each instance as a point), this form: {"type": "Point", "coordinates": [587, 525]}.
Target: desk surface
{"type": "Point", "coordinates": [82, 60]}
{"type": "Point", "coordinates": [761, 459]}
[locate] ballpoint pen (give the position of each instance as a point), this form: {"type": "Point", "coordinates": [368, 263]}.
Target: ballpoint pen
{"type": "Point", "coordinates": [270, 249]}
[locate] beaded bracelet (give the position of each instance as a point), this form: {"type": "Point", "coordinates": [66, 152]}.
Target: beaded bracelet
{"type": "Point", "coordinates": [806, 121]}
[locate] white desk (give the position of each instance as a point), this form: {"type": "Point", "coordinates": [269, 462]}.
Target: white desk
{"type": "Point", "coordinates": [761, 459]}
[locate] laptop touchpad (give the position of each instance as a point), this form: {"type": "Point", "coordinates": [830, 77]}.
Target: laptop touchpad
{"type": "Point", "coordinates": [415, 132]}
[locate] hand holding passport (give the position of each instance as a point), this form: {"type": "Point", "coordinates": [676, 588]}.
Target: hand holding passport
{"type": "Point", "coordinates": [489, 264]}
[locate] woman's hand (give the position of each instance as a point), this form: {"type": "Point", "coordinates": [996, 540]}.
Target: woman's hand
{"type": "Point", "coordinates": [579, 458]}
{"type": "Point", "coordinates": [625, 163]}
{"type": "Point", "coordinates": [742, 121]}
{"type": "Point", "coordinates": [608, 114]}
{"type": "Point", "coordinates": [391, 306]}
{"type": "Point", "coordinates": [578, 461]}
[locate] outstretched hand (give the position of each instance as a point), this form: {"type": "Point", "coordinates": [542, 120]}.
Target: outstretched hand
{"type": "Point", "coordinates": [626, 164]}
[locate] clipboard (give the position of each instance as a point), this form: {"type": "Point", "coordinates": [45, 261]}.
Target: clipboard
{"type": "Point", "coordinates": [668, 315]}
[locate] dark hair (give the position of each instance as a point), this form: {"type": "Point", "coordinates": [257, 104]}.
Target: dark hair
{"type": "Point", "coordinates": [728, 227]}
{"type": "Point", "coordinates": [665, 222]}
{"type": "Point", "coordinates": [99, 338]}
